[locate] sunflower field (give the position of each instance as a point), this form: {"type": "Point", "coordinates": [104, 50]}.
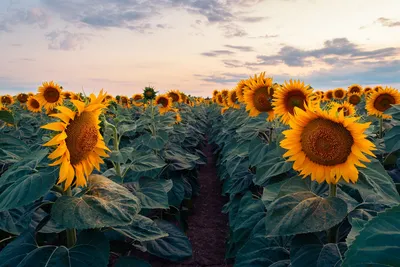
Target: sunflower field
{"type": "Point", "coordinates": [311, 177]}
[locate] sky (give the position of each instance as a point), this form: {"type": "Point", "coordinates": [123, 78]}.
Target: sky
{"type": "Point", "coordinates": [196, 46]}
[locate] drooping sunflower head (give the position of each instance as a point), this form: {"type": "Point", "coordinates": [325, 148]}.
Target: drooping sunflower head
{"type": "Point", "coordinates": [149, 93]}
{"type": "Point", "coordinates": [354, 98]}
{"type": "Point", "coordinates": [380, 101]}
{"type": "Point", "coordinates": [355, 88]}
{"type": "Point", "coordinates": [326, 145]}
{"type": "Point", "coordinates": [345, 107]}
{"type": "Point", "coordinates": [292, 94]}
{"type": "Point", "coordinates": [79, 143]}
{"type": "Point", "coordinates": [215, 92]}
{"type": "Point", "coordinates": [339, 93]}
{"type": "Point", "coordinates": [124, 101]}
{"type": "Point", "coordinates": [328, 96]}
{"type": "Point", "coordinates": [232, 99]}
{"type": "Point", "coordinates": [240, 89]}
{"type": "Point", "coordinates": [33, 104]}
{"type": "Point", "coordinates": [367, 90]}
{"type": "Point", "coordinates": [7, 100]}
{"type": "Point", "coordinates": [175, 95]}
{"type": "Point", "coordinates": [164, 102]}
{"type": "Point", "coordinates": [22, 98]}
{"type": "Point", "coordinates": [219, 99]}
{"type": "Point", "coordinates": [50, 95]}
{"type": "Point", "coordinates": [259, 96]}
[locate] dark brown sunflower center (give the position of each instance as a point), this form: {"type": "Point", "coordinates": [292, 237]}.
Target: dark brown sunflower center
{"type": "Point", "coordinates": [163, 101]}
{"type": "Point", "coordinates": [82, 136]}
{"type": "Point", "coordinates": [149, 93]}
{"type": "Point", "coordinates": [261, 100]}
{"type": "Point", "coordinates": [294, 99]}
{"type": "Point", "coordinates": [329, 95]}
{"type": "Point", "coordinates": [233, 97]}
{"type": "Point", "coordinates": [383, 102]}
{"type": "Point", "coordinates": [51, 94]}
{"type": "Point", "coordinates": [5, 100]}
{"type": "Point", "coordinates": [220, 99]}
{"type": "Point", "coordinates": [354, 99]}
{"type": "Point", "coordinates": [339, 93]}
{"type": "Point", "coordinates": [355, 89]}
{"type": "Point", "coordinates": [326, 142]}
{"type": "Point", "coordinates": [22, 98]}
{"type": "Point", "coordinates": [124, 100]}
{"type": "Point", "coordinates": [67, 95]}
{"type": "Point", "coordinates": [35, 104]}
{"type": "Point", "coordinates": [224, 93]}
{"type": "Point", "coordinates": [174, 96]}
{"type": "Point", "coordinates": [137, 97]}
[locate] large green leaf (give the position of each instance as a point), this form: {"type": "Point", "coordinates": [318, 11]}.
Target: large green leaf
{"type": "Point", "coordinates": [142, 229]}
{"type": "Point", "coordinates": [175, 247]}
{"type": "Point", "coordinates": [146, 161]}
{"type": "Point", "coordinates": [23, 185]}
{"type": "Point", "coordinates": [104, 204]}
{"type": "Point", "coordinates": [155, 142]}
{"type": "Point", "coordinates": [392, 139]}
{"type": "Point", "coordinates": [376, 186]}
{"type": "Point", "coordinates": [151, 194]}
{"type": "Point", "coordinates": [378, 244]}
{"type": "Point", "coordinates": [271, 168]}
{"type": "Point", "coordinates": [92, 249]}
{"type": "Point", "coordinates": [177, 193]}
{"type": "Point", "coordinates": [263, 252]}
{"type": "Point", "coordinates": [303, 212]}
{"type": "Point", "coordinates": [6, 116]}
{"type": "Point", "coordinates": [307, 250]}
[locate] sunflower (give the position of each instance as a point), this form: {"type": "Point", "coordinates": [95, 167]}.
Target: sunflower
{"type": "Point", "coordinates": [7, 100]}
{"type": "Point", "coordinates": [175, 95]}
{"type": "Point", "coordinates": [225, 93]}
{"type": "Point", "coordinates": [177, 117]}
{"type": "Point", "coordinates": [183, 97]}
{"type": "Point", "coordinates": [137, 97]}
{"type": "Point", "coordinates": [346, 107]}
{"type": "Point", "coordinates": [326, 145]}
{"type": "Point", "coordinates": [367, 90]}
{"type": "Point", "coordinates": [232, 98]}
{"type": "Point", "coordinates": [339, 93]}
{"type": "Point", "coordinates": [215, 93]}
{"type": "Point", "coordinates": [354, 98]}
{"type": "Point", "coordinates": [124, 101]}
{"type": "Point", "coordinates": [219, 99]}
{"type": "Point", "coordinates": [33, 104]}
{"type": "Point", "coordinates": [258, 97]}
{"type": "Point", "coordinates": [68, 95]}
{"type": "Point", "coordinates": [165, 101]}
{"type": "Point", "coordinates": [240, 89]}
{"type": "Point", "coordinates": [50, 95]}
{"type": "Point", "coordinates": [22, 98]}
{"type": "Point", "coordinates": [328, 95]}
{"type": "Point", "coordinates": [30, 94]}
{"type": "Point", "coordinates": [149, 93]}
{"type": "Point", "coordinates": [79, 143]}
{"type": "Point", "coordinates": [377, 88]}
{"type": "Point", "coordinates": [355, 88]}
{"type": "Point", "coordinates": [224, 109]}
{"type": "Point", "coordinates": [292, 94]}
{"type": "Point", "coordinates": [378, 102]}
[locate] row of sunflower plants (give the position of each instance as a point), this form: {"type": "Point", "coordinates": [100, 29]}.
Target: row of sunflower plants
{"type": "Point", "coordinates": [311, 176]}
{"type": "Point", "coordinates": [97, 180]}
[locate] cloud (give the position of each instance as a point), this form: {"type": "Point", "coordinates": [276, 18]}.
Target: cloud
{"type": "Point", "coordinates": [387, 22]}
{"type": "Point", "coordinates": [332, 52]}
{"type": "Point", "coordinates": [32, 16]}
{"type": "Point", "coordinates": [216, 53]}
{"type": "Point", "coordinates": [233, 30]}
{"type": "Point", "coordinates": [240, 48]}
{"type": "Point", "coordinates": [65, 40]}
{"type": "Point", "coordinates": [223, 78]}
{"type": "Point", "coordinates": [253, 19]}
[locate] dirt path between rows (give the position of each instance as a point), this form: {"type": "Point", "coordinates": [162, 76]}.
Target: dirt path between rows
{"type": "Point", "coordinates": [208, 226]}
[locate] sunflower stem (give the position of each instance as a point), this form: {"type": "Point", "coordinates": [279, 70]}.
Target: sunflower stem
{"type": "Point", "coordinates": [58, 189]}
{"type": "Point", "coordinates": [116, 148]}
{"type": "Point", "coordinates": [380, 127]}
{"type": "Point", "coordinates": [333, 232]}
{"type": "Point", "coordinates": [71, 233]}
